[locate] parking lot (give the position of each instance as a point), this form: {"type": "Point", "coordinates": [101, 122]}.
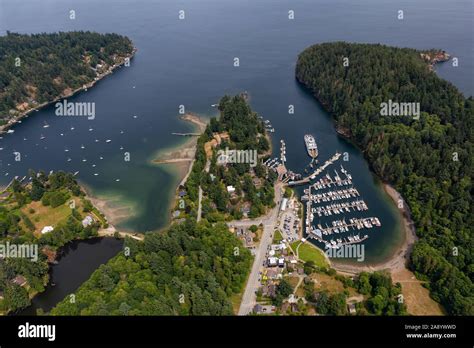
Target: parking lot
{"type": "Point", "coordinates": [289, 224]}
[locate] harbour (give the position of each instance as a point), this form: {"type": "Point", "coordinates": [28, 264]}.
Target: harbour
{"type": "Point", "coordinates": [326, 196]}
{"type": "Point", "coordinates": [143, 101]}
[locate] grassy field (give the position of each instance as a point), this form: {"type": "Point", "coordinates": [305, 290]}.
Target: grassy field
{"type": "Point", "coordinates": [48, 216]}
{"type": "Point", "coordinates": [308, 252]}
{"type": "Point", "coordinates": [277, 237]}
{"type": "Point", "coordinates": [417, 297]}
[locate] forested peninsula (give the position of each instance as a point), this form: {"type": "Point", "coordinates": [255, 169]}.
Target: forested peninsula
{"type": "Point", "coordinates": [38, 69]}
{"type": "Point", "coordinates": [428, 159]}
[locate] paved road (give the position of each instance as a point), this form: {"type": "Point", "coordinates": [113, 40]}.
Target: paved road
{"type": "Point", "coordinates": [199, 213]}
{"type": "Point", "coordinates": [249, 298]}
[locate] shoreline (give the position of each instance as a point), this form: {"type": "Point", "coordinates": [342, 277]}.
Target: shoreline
{"type": "Point", "coordinates": [398, 261]}
{"type": "Point", "coordinates": [184, 152]}
{"type": "Point", "coordinates": [14, 120]}
{"type": "Point", "coordinates": [112, 215]}
{"type": "Point", "coordinates": [181, 157]}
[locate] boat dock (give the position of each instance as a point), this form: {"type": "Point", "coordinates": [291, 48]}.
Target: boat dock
{"type": "Point", "coordinates": [187, 134]}
{"type": "Point", "coordinates": [339, 208]}
{"type": "Point", "coordinates": [317, 171]}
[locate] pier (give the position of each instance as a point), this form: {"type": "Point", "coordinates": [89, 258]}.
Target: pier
{"type": "Point", "coordinates": [187, 134]}
{"type": "Point", "coordinates": [316, 172]}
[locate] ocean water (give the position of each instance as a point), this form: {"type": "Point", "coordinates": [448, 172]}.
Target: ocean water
{"type": "Point", "coordinates": [190, 62]}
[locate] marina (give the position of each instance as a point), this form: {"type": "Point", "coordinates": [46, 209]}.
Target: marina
{"type": "Point", "coordinates": [331, 194]}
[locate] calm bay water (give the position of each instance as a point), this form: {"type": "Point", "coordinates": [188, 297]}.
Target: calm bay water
{"type": "Point", "coordinates": [78, 260]}
{"type": "Point", "coordinates": [190, 62]}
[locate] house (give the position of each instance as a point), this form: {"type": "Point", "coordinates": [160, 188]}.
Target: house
{"type": "Point", "coordinates": [352, 308]}
{"type": "Point", "coordinates": [182, 193]}
{"type": "Point", "coordinates": [88, 220]}
{"type": "Point", "coordinates": [47, 229]}
{"type": "Point", "coordinates": [19, 280]}
{"type": "Point", "coordinates": [245, 210]}
{"type": "Point", "coordinates": [281, 262]}
{"type": "Point", "coordinates": [269, 290]}
{"type": "Point", "coordinates": [257, 181]}
{"type": "Point", "coordinates": [257, 308]}
{"type": "Point", "coordinates": [283, 204]}
{"type": "Point", "coordinates": [272, 261]}
{"type": "Point", "coordinates": [176, 214]}
{"type": "Point", "coordinates": [272, 273]}
{"type": "Point", "coordinates": [230, 189]}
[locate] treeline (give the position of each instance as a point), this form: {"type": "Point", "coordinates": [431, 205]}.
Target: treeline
{"type": "Point", "coordinates": [191, 269]}
{"type": "Point", "coordinates": [245, 132]}
{"type": "Point", "coordinates": [38, 68]}
{"type": "Point", "coordinates": [381, 296]}
{"type": "Point", "coordinates": [429, 160]}
{"type": "Point", "coordinates": [17, 228]}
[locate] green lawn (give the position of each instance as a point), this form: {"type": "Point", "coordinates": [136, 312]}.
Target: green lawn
{"type": "Point", "coordinates": [308, 252]}
{"type": "Point", "coordinates": [277, 237]}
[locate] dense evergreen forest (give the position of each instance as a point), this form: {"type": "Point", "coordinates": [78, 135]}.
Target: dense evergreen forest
{"type": "Point", "coordinates": [24, 211]}
{"type": "Point", "coordinates": [191, 269]}
{"type": "Point", "coordinates": [429, 160]}
{"type": "Point", "coordinates": [38, 68]}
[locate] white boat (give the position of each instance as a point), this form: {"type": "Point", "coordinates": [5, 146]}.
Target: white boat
{"type": "Point", "coordinates": [108, 141]}
{"type": "Point", "coordinates": [10, 131]}
{"type": "Point", "coordinates": [311, 145]}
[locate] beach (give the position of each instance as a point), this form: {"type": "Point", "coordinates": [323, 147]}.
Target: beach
{"type": "Point", "coordinates": [399, 260]}
{"type": "Point", "coordinates": [182, 157]}
{"type": "Point", "coordinates": [416, 296]}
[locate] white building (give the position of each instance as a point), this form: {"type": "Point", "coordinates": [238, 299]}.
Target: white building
{"type": "Point", "coordinates": [87, 221]}
{"type": "Point", "coordinates": [47, 229]}
{"type": "Point", "coordinates": [281, 262]}
{"type": "Point", "coordinates": [272, 261]}
{"type": "Point", "coordinates": [230, 189]}
{"type": "Point", "coordinates": [284, 202]}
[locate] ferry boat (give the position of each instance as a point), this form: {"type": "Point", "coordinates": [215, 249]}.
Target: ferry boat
{"type": "Point", "coordinates": [311, 146]}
